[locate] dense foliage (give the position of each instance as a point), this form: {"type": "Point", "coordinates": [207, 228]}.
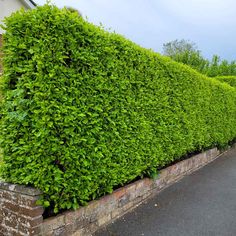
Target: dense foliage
{"type": "Point", "coordinates": [231, 80]}
{"type": "Point", "coordinates": [187, 53]}
{"type": "Point", "coordinates": [86, 110]}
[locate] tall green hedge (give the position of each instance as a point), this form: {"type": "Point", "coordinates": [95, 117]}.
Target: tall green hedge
{"type": "Point", "coordinates": [86, 110]}
{"type": "Point", "coordinates": [231, 80]}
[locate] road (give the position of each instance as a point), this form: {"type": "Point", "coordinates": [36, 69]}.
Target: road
{"type": "Point", "coordinates": [200, 204]}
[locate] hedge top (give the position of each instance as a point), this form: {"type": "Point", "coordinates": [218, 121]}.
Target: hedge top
{"type": "Point", "coordinates": [231, 80]}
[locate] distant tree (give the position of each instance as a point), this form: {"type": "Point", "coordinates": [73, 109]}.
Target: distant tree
{"type": "Point", "coordinates": [218, 67]}
{"type": "Point", "coordinates": [232, 68]}
{"type": "Point", "coordinates": [186, 52]}
{"type": "Point", "coordinates": [224, 68]}
{"type": "Point", "coordinates": [213, 69]}
{"type": "Point", "coordinates": [177, 47]}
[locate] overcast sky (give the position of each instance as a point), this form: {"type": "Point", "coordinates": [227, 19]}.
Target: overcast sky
{"type": "Point", "coordinates": [208, 23]}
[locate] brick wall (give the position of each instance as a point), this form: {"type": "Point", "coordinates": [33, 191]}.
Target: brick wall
{"type": "Point", "coordinates": [19, 214]}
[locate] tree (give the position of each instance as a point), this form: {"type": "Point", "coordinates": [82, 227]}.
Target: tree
{"type": "Point", "coordinates": [213, 69]}
{"type": "Point", "coordinates": [178, 47]}
{"type": "Point", "coordinates": [218, 67]}
{"type": "Point", "coordinates": [186, 52]}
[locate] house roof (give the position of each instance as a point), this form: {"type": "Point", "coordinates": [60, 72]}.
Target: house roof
{"type": "Point", "coordinates": [29, 3]}
{"type": "Point", "coordinates": [33, 3]}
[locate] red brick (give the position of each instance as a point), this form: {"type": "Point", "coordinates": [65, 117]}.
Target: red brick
{"type": "Point", "coordinates": [18, 199]}
{"type": "Point", "coordinates": [31, 212]}
{"type": "Point", "coordinates": [30, 222]}
{"type": "Point", "coordinates": [117, 194]}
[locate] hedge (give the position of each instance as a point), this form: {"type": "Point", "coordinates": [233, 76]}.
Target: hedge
{"type": "Point", "coordinates": [231, 80]}
{"type": "Point", "coordinates": [87, 110]}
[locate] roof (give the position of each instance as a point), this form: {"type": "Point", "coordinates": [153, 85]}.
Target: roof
{"type": "Point", "coordinates": [33, 3]}
{"type": "Point", "coordinates": [29, 3]}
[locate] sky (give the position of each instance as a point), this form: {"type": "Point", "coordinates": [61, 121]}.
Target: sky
{"type": "Point", "coordinates": [151, 23]}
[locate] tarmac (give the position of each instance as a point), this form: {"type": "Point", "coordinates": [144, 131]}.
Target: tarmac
{"type": "Point", "coordinates": [201, 204]}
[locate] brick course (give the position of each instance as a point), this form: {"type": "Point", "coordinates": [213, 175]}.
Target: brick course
{"type": "Point", "coordinates": [18, 210]}
{"type": "Point", "coordinates": [19, 214]}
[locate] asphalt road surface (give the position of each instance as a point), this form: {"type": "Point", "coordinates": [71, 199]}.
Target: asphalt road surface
{"type": "Point", "coordinates": [201, 204]}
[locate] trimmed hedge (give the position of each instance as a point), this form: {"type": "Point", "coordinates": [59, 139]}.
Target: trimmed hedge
{"type": "Point", "coordinates": [1, 56]}
{"type": "Point", "coordinates": [231, 80]}
{"type": "Point", "coordinates": [86, 110]}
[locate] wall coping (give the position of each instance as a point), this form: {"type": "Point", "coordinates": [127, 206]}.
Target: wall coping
{"type": "Point", "coordinates": [30, 191]}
